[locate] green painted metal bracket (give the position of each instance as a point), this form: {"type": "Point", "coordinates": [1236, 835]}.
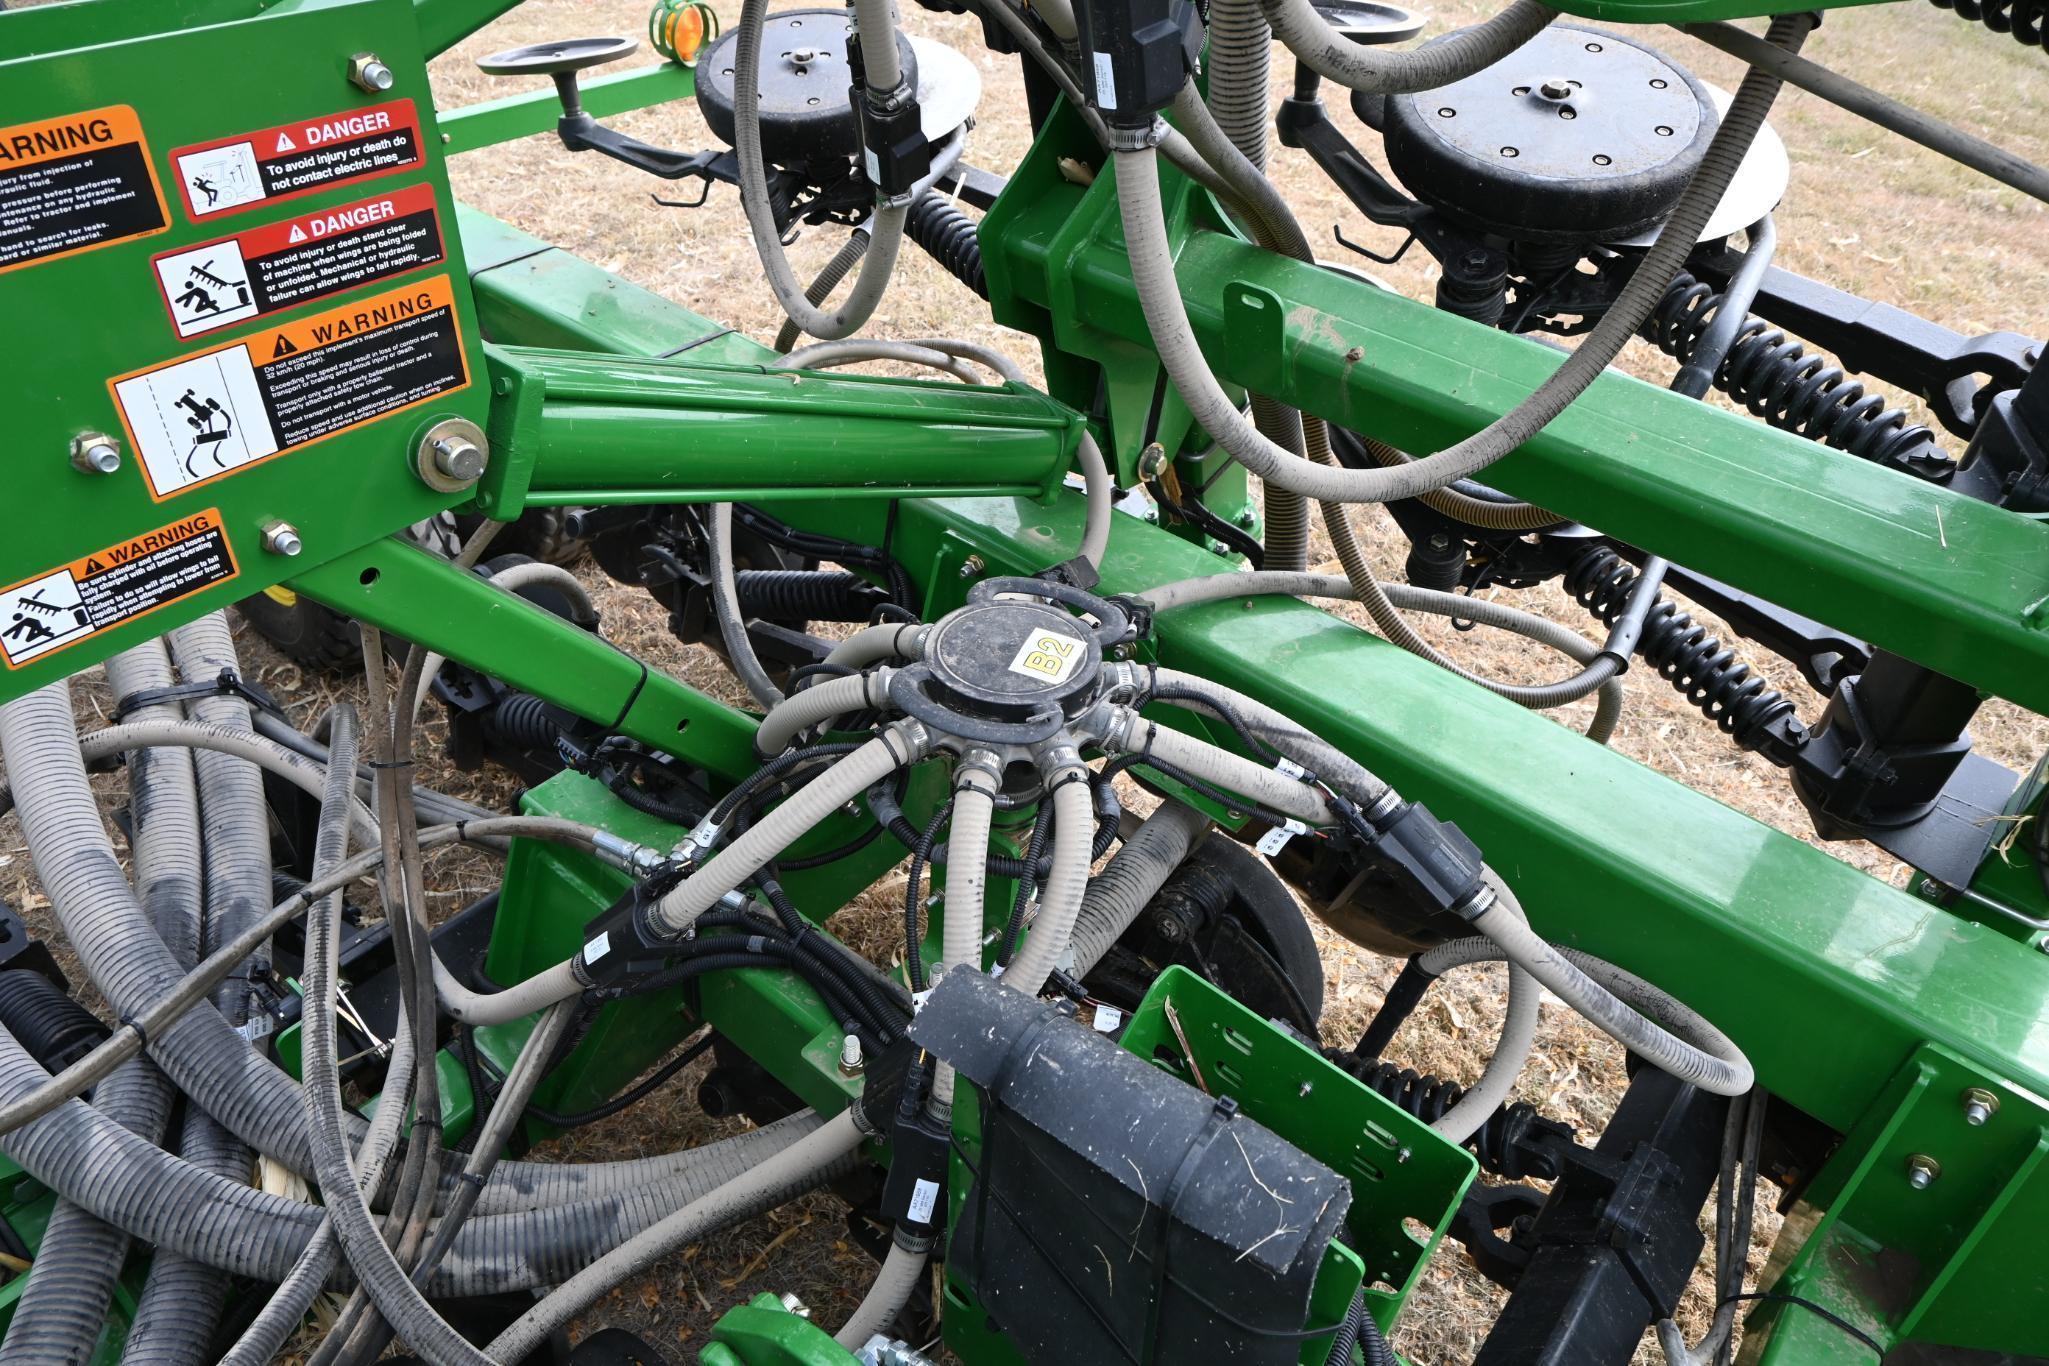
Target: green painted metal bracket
{"type": "Point", "coordinates": [517, 116]}
{"type": "Point", "coordinates": [1400, 1168]}
{"type": "Point", "coordinates": [1947, 1259]}
{"type": "Point", "coordinates": [572, 427]}
{"type": "Point", "coordinates": [765, 1332]}
{"type": "Point", "coordinates": [1952, 583]}
{"type": "Point", "coordinates": [444, 23]}
{"type": "Point", "coordinates": [403, 589]}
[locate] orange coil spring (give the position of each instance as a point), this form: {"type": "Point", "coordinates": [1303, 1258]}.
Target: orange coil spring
{"type": "Point", "coordinates": [680, 29]}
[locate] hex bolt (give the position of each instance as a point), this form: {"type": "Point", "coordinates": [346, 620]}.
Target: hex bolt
{"type": "Point", "coordinates": [795, 1305]}
{"type": "Point", "coordinates": [95, 453]}
{"type": "Point", "coordinates": [460, 458]}
{"type": "Point", "coordinates": [972, 567]}
{"type": "Point", "coordinates": [1979, 1106]}
{"type": "Point", "coordinates": [282, 538]}
{"type": "Point", "coordinates": [1922, 1171]}
{"type": "Point", "coordinates": [851, 1061]}
{"type": "Point", "coordinates": [1152, 460]}
{"type": "Point", "coordinates": [1556, 88]}
{"type": "Point", "coordinates": [369, 73]}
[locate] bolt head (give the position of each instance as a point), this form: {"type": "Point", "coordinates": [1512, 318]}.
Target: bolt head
{"type": "Point", "coordinates": [95, 453]}
{"type": "Point", "coordinates": [460, 458]}
{"type": "Point", "coordinates": [1922, 1171]}
{"type": "Point", "coordinates": [282, 538]}
{"type": "Point", "coordinates": [367, 72]}
{"type": "Point", "coordinates": [1152, 460]}
{"type": "Point", "coordinates": [1556, 88]}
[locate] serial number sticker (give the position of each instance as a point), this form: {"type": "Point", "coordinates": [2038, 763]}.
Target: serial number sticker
{"type": "Point", "coordinates": [267, 269]}
{"type": "Point", "coordinates": [297, 158]}
{"type": "Point", "coordinates": [72, 184]}
{"type": "Point", "coordinates": [207, 416]}
{"type": "Point", "coordinates": [1048, 656]}
{"type": "Point", "coordinates": [126, 580]}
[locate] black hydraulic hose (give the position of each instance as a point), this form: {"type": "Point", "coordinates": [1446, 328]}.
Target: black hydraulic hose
{"type": "Point", "coordinates": [1035, 850]}
{"type": "Point", "coordinates": [654, 1082]}
{"type": "Point", "coordinates": [921, 854]}
{"type": "Point", "coordinates": [1400, 1002]}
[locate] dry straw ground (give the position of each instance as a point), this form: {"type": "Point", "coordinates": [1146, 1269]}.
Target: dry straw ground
{"type": "Point", "coordinates": [1864, 210]}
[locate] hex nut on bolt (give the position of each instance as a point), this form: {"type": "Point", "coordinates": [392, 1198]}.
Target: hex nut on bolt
{"type": "Point", "coordinates": [95, 453]}
{"type": "Point", "coordinates": [1922, 1171]}
{"type": "Point", "coordinates": [282, 538]}
{"type": "Point", "coordinates": [1979, 1106]}
{"type": "Point", "coordinates": [368, 72]}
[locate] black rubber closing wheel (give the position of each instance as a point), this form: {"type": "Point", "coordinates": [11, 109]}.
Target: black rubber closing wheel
{"type": "Point", "coordinates": [1226, 915]}
{"type": "Point", "coordinates": [805, 116]}
{"type": "Point", "coordinates": [1580, 135]}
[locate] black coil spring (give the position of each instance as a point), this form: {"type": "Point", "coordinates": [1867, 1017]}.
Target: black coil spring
{"type": "Point", "coordinates": [523, 721]}
{"type": "Point", "coordinates": [804, 595]}
{"type": "Point", "coordinates": [1772, 375]}
{"type": "Point", "coordinates": [1704, 671]}
{"type": "Point", "coordinates": [1428, 1098]}
{"type": "Point", "coordinates": [950, 237]}
{"type": "Point", "coordinates": [2026, 20]}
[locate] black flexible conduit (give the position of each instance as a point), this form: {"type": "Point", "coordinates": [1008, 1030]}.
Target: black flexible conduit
{"type": "Point", "coordinates": [2026, 20]}
{"type": "Point", "coordinates": [948, 237]}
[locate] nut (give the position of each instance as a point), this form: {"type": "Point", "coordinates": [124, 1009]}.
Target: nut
{"type": "Point", "coordinates": [282, 538]}
{"type": "Point", "coordinates": [1979, 1106]}
{"type": "Point", "coordinates": [972, 567]}
{"type": "Point", "coordinates": [95, 453]}
{"type": "Point", "coordinates": [1152, 460]}
{"type": "Point", "coordinates": [367, 72]}
{"type": "Point", "coordinates": [1922, 1171]}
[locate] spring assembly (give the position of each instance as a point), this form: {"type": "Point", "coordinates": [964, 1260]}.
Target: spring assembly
{"type": "Point", "coordinates": [1774, 377]}
{"type": "Point", "coordinates": [806, 595]}
{"type": "Point", "coordinates": [2024, 19]}
{"type": "Point", "coordinates": [948, 237]}
{"type": "Point", "coordinates": [1685, 655]}
{"type": "Point", "coordinates": [1516, 1141]}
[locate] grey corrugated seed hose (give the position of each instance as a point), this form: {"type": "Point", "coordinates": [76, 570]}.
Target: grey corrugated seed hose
{"type": "Point", "coordinates": [891, 749]}
{"type": "Point", "coordinates": [1132, 878]}
{"type": "Point", "coordinates": [902, 1269]}
{"type": "Point", "coordinates": [871, 644]}
{"type": "Point", "coordinates": [1152, 268]}
{"type": "Point", "coordinates": [788, 719]}
{"type": "Point", "coordinates": [63, 1307]}
{"type": "Point", "coordinates": [1060, 899]}
{"type": "Point", "coordinates": [878, 51]}
{"type": "Point", "coordinates": [725, 601]}
{"type": "Point", "coordinates": [1600, 673]}
{"type": "Point", "coordinates": [1256, 782]}
{"type": "Point", "coordinates": [1511, 1051]}
{"type": "Point", "coordinates": [824, 283]}
{"type": "Point", "coordinates": [831, 355]}
{"type": "Point", "coordinates": [1380, 71]}
{"type": "Point", "coordinates": [967, 873]}
{"type": "Point", "coordinates": [773, 1181]}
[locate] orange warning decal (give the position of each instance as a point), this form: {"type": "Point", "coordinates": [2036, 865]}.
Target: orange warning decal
{"type": "Point", "coordinates": [71, 184]}
{"type": "Point", "coordinates": [59, 608]}
{"type": "Point", "coordinates": [206, 416]}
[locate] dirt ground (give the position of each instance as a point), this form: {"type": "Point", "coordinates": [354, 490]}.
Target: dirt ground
{"type": "Point", "coordinates": [1864, 210]}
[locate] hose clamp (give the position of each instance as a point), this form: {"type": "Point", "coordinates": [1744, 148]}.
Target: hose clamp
{"type": "Point", "coordinates": [1141, 139]}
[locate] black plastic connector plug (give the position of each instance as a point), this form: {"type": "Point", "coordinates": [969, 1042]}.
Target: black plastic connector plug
{"type": "Point", "coordinates": [1136, 56]}
{"type": "Point", "coordinates": [1431, 859]}
{"type": "Point", "coordinates": [894, 151]}
{"type": "Point", "coordinates": [619, 943]}
{"type": "Point", "coordinates": [920, 1149]}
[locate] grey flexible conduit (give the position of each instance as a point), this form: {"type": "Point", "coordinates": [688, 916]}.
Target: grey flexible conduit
{"type": "Point", "coordinates": [725, 601]}
{"type": "Point", "coordinates": [1441, 61]}
{"type": "Point", "coordinates": [823, 284]}
{"type": "Point", "coordinates": [1132, 878]}
{"type": "Point", "coordinates": [1152, 267]}
{"type": "Point", "coordinates": [874, 22]}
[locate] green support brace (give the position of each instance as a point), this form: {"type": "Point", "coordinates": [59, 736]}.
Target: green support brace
{"type": "Point", "coordinates": [400, 588]}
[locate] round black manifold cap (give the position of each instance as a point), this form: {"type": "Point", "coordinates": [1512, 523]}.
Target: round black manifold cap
{"type": "Point", "coordinates": [1012, 660]}
{"type": "Point", "coordinates": [1577, 136]}
{"type": "Point", "coordinates": [805, 115]}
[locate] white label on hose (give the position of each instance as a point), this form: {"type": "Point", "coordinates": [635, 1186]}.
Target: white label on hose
{"type": "Point", "coordinates": [1106, 82]}
{"type": "Point", "coordinates": [598, 947]}
{"type": "Point", "coordinates": [1288, 768]}
{"type": "Point", "coordinates": [1276, 839]}
{"type": "Point", "coordinates": [924, 1199]}
{"type": "Point", "coordinates": [1108, 1018]}
{"type": "Point", "coordinates": [1048, 657]}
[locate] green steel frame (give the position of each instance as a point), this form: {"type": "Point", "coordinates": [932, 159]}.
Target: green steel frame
{"type": "Point", "coordinates": [1861, 1004]}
